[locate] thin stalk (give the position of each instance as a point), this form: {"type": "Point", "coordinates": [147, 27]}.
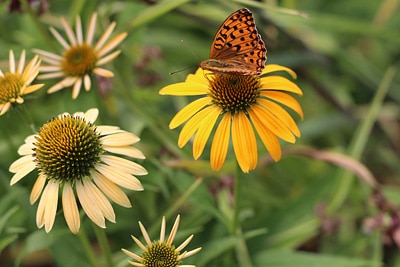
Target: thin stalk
{"type": "Point", "coordinates": [105, 246]}
{"type": "Point", "coordinates": [87, 247]}
{"type": "Point", "coordinates": [345, 178]}
{"type": "Point", "coordinates": [242, 252]}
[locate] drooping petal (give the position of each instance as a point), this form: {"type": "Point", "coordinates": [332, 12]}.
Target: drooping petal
{"type": "Point", "coordinates": [204, 131]}
{"type": "Point", "coordinates": [244, 142]}
{"type": "Point", "coordinates": [37, 188]}
{"type": "Point", "coordinates": [220, 143]}
{"type": "Point", "coordinates": [71, 213]}
{"type": "Point", "coordinates": [188, 111]}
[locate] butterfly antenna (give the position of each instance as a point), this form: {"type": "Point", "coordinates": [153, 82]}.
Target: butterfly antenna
{"type": "Point", "coordinates": [191, 51]}
{"type": "Point", "coordinates": [174, 72]}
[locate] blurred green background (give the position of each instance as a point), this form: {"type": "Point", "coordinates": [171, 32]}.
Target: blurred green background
{"type": "Point", "coordinates": [305, 210]}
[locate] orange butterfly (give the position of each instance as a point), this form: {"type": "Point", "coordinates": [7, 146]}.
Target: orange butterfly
{"type": "Point", "coordinates": [237, 47]}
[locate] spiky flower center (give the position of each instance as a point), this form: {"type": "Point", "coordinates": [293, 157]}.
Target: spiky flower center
{"type": "Point", "coordinates": [11, 86]}
{"type": "Point", "coordinates": [160, 255]}
{"type": "Point", "coordinates": [79, 60]}
{"type": "Point", "coordinates": [67, 148]}
{"type": "Point", "coordinates": [234, 93]}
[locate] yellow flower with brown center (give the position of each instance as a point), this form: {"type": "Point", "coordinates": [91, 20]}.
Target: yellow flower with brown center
{"type": "Point", "coordinates": [80, 58]}
{"type": "Point", "coordinates": [238, 104]}
{"type": "Point", "coordinates": [17, 81]}
{"type": "Point", "coordinates": [161, 253]}
{"type": "Point", "coordinates": [78, 157]}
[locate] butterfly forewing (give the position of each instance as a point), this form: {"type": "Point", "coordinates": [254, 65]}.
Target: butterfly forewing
{"type": "Point", "coordinates": [237, 47]}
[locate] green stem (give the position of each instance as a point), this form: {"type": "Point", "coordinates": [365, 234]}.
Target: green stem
{"type": "Point", "coordinates": [26, 116]}
{"type": "Point", "coordinates": [237, 192]}
{"type": "Point", "coordinates": [103, 242]}
{"type": "Point", "coordinates": [177, 204]}
{"type": "Point", "coordinates": [345, 178]}
{"type": "Point", "coordinates": [242, 252]}
{"type": "Point", "coordinates": [87, 247]}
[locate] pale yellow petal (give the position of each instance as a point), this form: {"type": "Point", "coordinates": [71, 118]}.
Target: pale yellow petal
{"type": "Point", "coordinates": [21, 167]}
{"type": "Point", "coordinates": [112, 44]}
{"type": "Point", "coordinates": [105, 36]}
{"type": "Point", "coordinates": [111, 190]}
{"type": "Point", "coordinates": [77, 88]}
{"type": "Point", "coordinates": [120, 139]}
{"type": "Point", "coordinates": [125, 150]}
{"type": "Point", "coordinates": [70, 208]}
{"type": "Point", "coordinates": [123, 179]}
{"type": "Point", "coordinates": [173, 231]}
{"type": "Point", "coordinates": [37, 188]}
{"type": "Point", "coordinates": [91, 115]}
{"type": "Point", "coordinates": [89, 205]}
{"type": "Point", "coordinates": [103, 72]}
{"type": "Point", "coordinates": [124, 165]}
{"type": "Point", "coordinates": [99, 200]}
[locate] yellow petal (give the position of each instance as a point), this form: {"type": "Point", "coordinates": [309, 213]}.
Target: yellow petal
{"type": "Point", "coordinates": [274, 124]}
{"type": "Point", "coordinates": [185, 88]}
{"type": "Point", "coordinates": [203, 133]}
{"type": "Point", "coordinates": [191, 126]}
{"type": "Point", "coordinates": [279, 83]}
{"type": "Point", "coordinates": [244, 142]}
{"type": "Point", "coordinates": [188, 111]}
{"type": "Point", "coordinates": [270, 141]}
{"type": "Point", "coordinates": [281, 114]}
{"type": "Point", "coordinates": [274, 67]}
{"type": "Point", "coordinates": [284, 99]}
{"type": "Point", "coordinates": [220, 143]}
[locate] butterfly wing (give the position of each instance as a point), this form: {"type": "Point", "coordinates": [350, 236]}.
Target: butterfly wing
{"type": "Point", "coordinates": [237, 47]}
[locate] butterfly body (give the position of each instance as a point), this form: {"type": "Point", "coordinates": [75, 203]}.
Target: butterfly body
{"type": "Point", "coordinates": [237, 47]}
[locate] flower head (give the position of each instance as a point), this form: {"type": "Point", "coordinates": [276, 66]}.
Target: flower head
{"type": "Point", "coordinates": [161, 253]}
{"type": "Point", "coordinates": [238, 104]}
{"type": "Point", "coordinates": [80, 58]}
{"type": "Point", "coordinates": [17, 82]}
{"type": "Point", "coordinates": [75, 156]}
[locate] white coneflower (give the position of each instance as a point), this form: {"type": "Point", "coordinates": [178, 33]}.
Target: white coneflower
{"type": "Point", "coordinates": [161, 253]}
{"type": "Point", "coordinates": [80, 58]}
{"type": "Point", "coordinates": [75, 156]}
{"type": "Point", "coordinates": [17, 81]}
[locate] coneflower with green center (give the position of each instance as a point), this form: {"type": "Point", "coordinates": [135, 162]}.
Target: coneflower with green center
{"type": "Point", "coordinates": [75, 156]}
{"type": "Point", "coordinates": [161, 253]}
{"type": "Point", "coordinates": [80, 59]}
{"type": "Point", "coordinates": [238, 104]}
{"type": "Point", "coordinates": [16, 83]}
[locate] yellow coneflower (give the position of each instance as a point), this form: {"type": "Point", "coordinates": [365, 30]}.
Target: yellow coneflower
{"type": "Point", "coordinates": [237, 104]}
